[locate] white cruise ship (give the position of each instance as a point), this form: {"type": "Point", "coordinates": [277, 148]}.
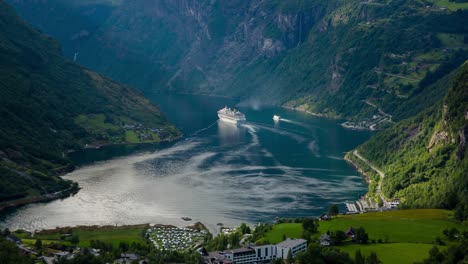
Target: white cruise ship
{"type": "Point", "coordinates": [231, 115]}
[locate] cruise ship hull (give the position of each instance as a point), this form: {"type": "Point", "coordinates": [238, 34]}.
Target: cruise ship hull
{"type": "Point", "coordinates": [229, 119]}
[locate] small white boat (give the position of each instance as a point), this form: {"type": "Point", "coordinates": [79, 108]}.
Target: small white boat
{"type": "Point", "coordinates": [276, 117]}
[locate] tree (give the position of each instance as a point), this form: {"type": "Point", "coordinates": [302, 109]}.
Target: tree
{"type": "Point", "coordinates": [290, 257]}
{"type": "Point", "coordinates": [307, 235]}
{"type": "Point", "coordinates": [333, 210]}
{"type": "Point", "coordinates": [10, 253]}
{"type": "Point", "coordinates": [372, 259]}
{"type": "Point", "coordinates": [245, 229]}
{"type": "Point", "coordinates": [338, 236]}
{"type": "Point", "coordinates": [38, 244]}
{"type": "Point", "coordinates": [6, 232]}
{"type": "Point", "coordinates": [277, 261]}
{"type": "Point", "coordinates": [123, 246]}
{"type": "Point", "coordinates": [380, 202]}
{"type": "Point", "coordinates": [358, 258]}
{"type": "Point", "coordinates": [75, 239]}
{"type": "Point", "coordinates": [234, 239]}
{"type": "Point", "coordinates": [310, 225]}
{"type": "Point", "coordinates": [361, 236]}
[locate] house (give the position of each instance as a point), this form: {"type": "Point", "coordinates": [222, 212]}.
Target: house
{"type": "Point", "coordinates": [395, 203]}
{"type": "Point", "coordinates": [351, 233]}
{"type": "Point", "coordinates": [324, 217]}
{"type": "Point", "coordinates": [325, 240]}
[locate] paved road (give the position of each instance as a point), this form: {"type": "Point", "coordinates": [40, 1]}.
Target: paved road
{"type": "Point", "coordinates": [381, 174]}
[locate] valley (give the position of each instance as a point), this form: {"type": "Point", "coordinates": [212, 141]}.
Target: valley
{"type": "Point", "coordinates": [353, 148]}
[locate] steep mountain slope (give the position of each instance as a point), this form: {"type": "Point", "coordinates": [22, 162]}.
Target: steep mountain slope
{"type": "Point", "coordinates": [49, 106]}
{"type": "Point", "coordinates": [354, 59]}
{"type": "Point", "coordinates": [425, 158]}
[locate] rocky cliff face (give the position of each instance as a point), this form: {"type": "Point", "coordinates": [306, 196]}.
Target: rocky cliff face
{"type": "Point", "coordinates": [185, 45]}
{"type": "Point", "coordinates": [339, 58]}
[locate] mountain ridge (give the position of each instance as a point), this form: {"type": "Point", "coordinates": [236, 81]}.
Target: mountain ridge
{"type": "Point", "coordinates": [50, 106]}
{"type": "Point", "coordinates": [304, 55]}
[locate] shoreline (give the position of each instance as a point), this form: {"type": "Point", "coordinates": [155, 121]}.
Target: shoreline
{"type": "Point", "coordinates": [356, 166]}
{"type": "Point", "coordinates": [41, 198]}
{"type": "Point", "coordinates": [332, 117]}
{"type": "Point", "coordinates": [75, 188]}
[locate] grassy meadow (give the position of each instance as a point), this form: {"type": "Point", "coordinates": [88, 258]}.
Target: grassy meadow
{"type": "Point", "coordinates": [107, 234]}
{"type": "Point", "coordinates": [407, 235]}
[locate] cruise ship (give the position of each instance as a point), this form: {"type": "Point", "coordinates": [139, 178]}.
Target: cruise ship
{"type": "Point", "coordinates": [231, 115]}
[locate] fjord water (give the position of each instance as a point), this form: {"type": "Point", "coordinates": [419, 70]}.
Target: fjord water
{"type": "Point", "coordinates": [218, 173]}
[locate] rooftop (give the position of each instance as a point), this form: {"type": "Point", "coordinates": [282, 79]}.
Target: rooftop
{"type": "Point", "coordinates": [292, 242]}
{"type": "Point", "coordinates": [241, 250]}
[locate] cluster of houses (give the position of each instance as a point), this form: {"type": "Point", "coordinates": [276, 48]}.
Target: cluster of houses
{"type": "Point", "coordinates": [257, 254]}
{"type": "Point", "coordinates": [326, 240]}
{"type": "Point", "coordinates": [56, 256]}
{"type": "Point", "coordinates": [365, 205]}
{"type": "Point", "coordinates": [144, 132]}
{"type": "Point", "coordinates": [174, 238]}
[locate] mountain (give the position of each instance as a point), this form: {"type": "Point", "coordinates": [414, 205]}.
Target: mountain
{"type": "Point", "coordinates": [378, 63]}
{"type": "Point", "coordinates": [50, 106]}
{"type": "Point", "coordinates": [369, 61]}
{"type": "Point", "coordinates": [425, 158]}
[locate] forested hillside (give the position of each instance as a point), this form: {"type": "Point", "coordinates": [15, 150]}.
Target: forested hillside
{"type": "Point", "coordinates": [49, 106]}
{"type": "Point", "coordinates": [370, 61]}
{"type": "Point", "coordinates": [424, 158]}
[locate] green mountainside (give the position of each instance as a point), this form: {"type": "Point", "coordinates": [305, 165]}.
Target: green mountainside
{"type": "Point", "coordinates": [372, 62]}
{"type": "Point", "coordinates": [425, 158]}
{"type": "Point", "coordinates": [369, 61]}
{"type": "Point", "coordinates": [49, 106]}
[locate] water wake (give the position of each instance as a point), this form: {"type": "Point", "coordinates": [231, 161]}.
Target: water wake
{"type": "Point", "coordinates": [282, 131]}
{"type": "Point", "coordinates": [300, 124]}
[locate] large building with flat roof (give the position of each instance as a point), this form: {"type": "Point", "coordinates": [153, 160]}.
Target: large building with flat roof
{"type": "Point", "coordinates": [293, 245]}
{"type": "Point", "coordinates": [257, 254]}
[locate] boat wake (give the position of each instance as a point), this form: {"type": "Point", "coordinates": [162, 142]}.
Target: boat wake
{"type": "Point", "coordinates": [306, 126]}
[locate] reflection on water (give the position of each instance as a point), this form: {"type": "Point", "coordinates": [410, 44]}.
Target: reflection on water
{"type": "Point", "coordinates": [220, 173]}
{"type": "Point", "coordinates": [230, 134]}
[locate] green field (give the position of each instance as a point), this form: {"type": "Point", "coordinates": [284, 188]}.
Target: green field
{"type": "Point", "coordinates": [401, 253]}
{"type": "Point", "coordinates": [409, 233]}
{"type": "Point", "coordinates": [450, 5]}
{"type": "Point", "coordinates": [113, 235]}
{"type": "Point", "coordinates": [451, 40]}
{"type": "Point", "coordinates": [403, 226]}
{"type": "Point", "coordinates": [131, 137]}
{"type": "Point", "coordinates": [95, 123]}
{"type": "Point", "coordinates": [291, 230]}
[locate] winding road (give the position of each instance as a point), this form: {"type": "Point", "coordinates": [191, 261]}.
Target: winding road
{"type": "Point", "coordinates": [381, 174]}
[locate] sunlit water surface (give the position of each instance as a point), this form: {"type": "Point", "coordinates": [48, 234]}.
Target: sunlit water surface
{"type": "Point", "coordinates": [219, 173]}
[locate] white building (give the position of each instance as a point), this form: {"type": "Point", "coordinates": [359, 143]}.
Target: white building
{"type": "Point", "coordinates": [265, 253]}
{"type": "Point", "coordinates": [241, 255]}
{"type": "Point", "coordinates": [257, 254]}
{"type": "Point", "coordinates": [293, 245]}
